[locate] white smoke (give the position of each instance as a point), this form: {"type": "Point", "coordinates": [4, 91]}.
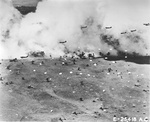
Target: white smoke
{"type": "Point", "coordinates": [61, 20]}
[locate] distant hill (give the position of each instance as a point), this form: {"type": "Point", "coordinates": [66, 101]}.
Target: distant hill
{"type": "Point", "coordinates": [26, 9]}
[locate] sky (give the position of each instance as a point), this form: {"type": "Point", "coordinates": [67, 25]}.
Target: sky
{"type": "Point", "coordinates": [61, 20]}
{"type": "Point", "coordinates": [25, 2]}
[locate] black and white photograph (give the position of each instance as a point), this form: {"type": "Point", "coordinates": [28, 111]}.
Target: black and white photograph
{"type": "Point", "coordinates": [74, 60]}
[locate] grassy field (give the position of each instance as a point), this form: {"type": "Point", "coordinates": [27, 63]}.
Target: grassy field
{"type": "Point", "coordinates": [61, 90]}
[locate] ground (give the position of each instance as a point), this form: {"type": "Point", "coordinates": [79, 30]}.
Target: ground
{"type": "Point", "coordinates": [64, 90]}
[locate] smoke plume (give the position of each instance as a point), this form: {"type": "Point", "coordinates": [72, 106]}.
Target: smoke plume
{"type": "Point", "coordinates": [85, 25]}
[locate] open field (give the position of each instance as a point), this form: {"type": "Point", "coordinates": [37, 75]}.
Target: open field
{"type": "Point", "coordinates": [113, 87]}
{"type": "Point", "coordinates": [64, 90]}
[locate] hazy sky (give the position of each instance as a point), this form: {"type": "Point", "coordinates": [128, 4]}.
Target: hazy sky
{"type": "Point", "coordinates": [25, 2]}
{"type": "Point", "coordinates": [59, 20]}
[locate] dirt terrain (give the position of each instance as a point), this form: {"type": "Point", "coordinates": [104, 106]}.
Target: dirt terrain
{"type": "Point", "coordinates": [67, 90]}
